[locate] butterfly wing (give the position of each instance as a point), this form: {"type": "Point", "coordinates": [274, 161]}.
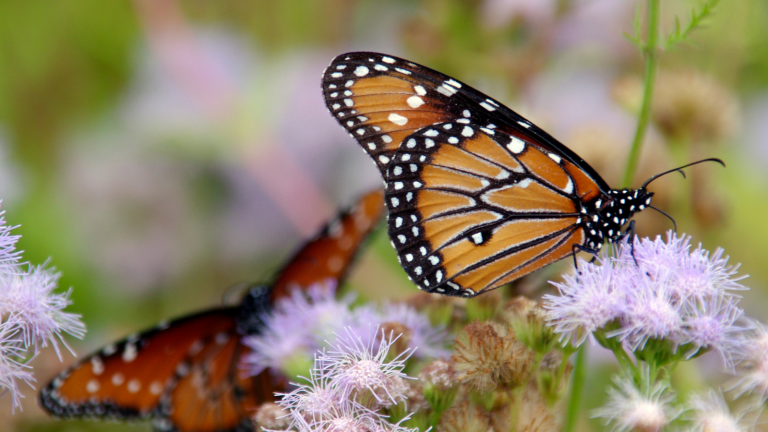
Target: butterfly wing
{"type": "Point", "coordinates": [210, 392]}
{"type": "Point", "coordinates": [329, 255]}
{"type": "Point", "coordinates": [185, 374]}
{"type": "Point", "coordinates": [381, 99]}
{"type": "Point", "coordinates": [478, 196]}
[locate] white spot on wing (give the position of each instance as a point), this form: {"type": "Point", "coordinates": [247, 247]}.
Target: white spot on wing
{"type": "Point", "coordinates": [516, 145]}
{"type": "Point", "coordinates": [397, 119]}
{"type": "Point", "coordinates": [361, 71]}
{"type": "Point", "coordinates": [386, 59]}
{"type": "Point", "coordinates": [419, 90]}
{"type": "Point", "coordinates": [415, 101]}
{"type": "Point", "coordinates": [554, 157]}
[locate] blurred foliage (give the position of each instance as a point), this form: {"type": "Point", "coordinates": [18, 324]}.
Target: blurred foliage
{"type": "Point", "coordinates": [76, 75]}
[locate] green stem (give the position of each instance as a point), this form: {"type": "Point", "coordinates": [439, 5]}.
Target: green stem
{"type": "Point", "coordinates": [651, 54]}
{"type": "Point", "coordinates": [577, 389]}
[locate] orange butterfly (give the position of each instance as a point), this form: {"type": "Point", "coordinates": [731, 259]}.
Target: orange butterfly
{"type": "Point", "coordinates": [184, 374]}
{"type": "Point", "coordinates": [478, 196]}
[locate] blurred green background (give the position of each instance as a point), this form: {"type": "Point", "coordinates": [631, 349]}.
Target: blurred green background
{"type": "Point", "coordinates": [159, 152]}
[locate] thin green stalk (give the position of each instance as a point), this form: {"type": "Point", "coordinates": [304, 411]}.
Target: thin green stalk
{"type": "Point", "coordinates": [577, 389]}
{"type": "Point", "coordinates": [651, 54]}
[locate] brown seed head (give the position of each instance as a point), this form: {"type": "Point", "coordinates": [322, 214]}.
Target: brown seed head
{"type": "Point", "coordinates": [487, 354]}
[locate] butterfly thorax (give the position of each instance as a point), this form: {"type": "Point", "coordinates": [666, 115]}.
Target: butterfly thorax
{"type": "Point", "coordinates": [251, 313]}
{"type": "Point", "coordinates": [605, 216]}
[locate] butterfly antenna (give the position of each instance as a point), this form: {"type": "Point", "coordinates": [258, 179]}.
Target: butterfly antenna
{"type": "Point", "coordinates": [679, 169]}
{"type": "Point", "coordinates": [674, 224]}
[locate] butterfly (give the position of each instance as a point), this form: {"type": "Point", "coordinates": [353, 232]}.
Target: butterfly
{"type": "Point", "coordinates": [477, 195]}
{"type": "Point", "coordinates": [185, 374]}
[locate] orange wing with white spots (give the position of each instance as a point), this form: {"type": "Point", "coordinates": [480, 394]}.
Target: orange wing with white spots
{"type": "Point", "coordinates": [329, 255]}
{"type": "Point", "coordinates": [185, 375]}
{"type": "Point", "coordinates": [478, 196]}
{"type": "Point", "coordinates": [142, 377]}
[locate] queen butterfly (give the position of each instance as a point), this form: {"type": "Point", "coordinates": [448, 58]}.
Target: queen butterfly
{"type": "Point", "coordinates": [477, 195]}
{"type": "Point", "coordinates": [184, 374]}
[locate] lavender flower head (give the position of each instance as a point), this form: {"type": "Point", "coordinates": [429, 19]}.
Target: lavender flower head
{"type": "Point", "coordinates": [710, 412]}
{"type": "Point", "coordinates": [647, 408]}
{"type": "Point", "coordinates": [31, 314]}
{"type": "Point", "coordinates": [308, 321]}
{"type": "Point", "coordinates": [331, 400]}
{"type": "Point", "coordinates": [753, 364]}
{"type": "Point", "coordinates": [673, 294]}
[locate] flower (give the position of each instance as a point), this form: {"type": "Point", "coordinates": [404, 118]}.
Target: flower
{"type": "Point", "coordinates": [297, 327]}
{"type": "Point", "coordinates": [587, 301]}
{"type": "Point", "coordinates": [753, 363]}
{"type": "Point", "coordinates": [710, 413]}
{"type": "Point", "coordinates": [307, 321]}
{"type": "Point", "coordinates": [487, 354]}
{"type": "Point", "coordinates": [29, 297]}
{"type": "Point", "coordinates": [329, 403]}
{"type": "Point", "coordinates": [359, 369]}
{"type": "Point", "coordinates": [691, 103]}
{"type": "Point", "coordinates": [31, 314]}
{"type": "Point", "coordinates": [644, 409]}
{"type": "Point", "coordinates": [653, 290]}
{"type": "Point", "coordinates": [716, 322]}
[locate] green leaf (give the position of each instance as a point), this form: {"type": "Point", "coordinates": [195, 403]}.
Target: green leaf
{"type": "Point", "coordinates": [697, 21]}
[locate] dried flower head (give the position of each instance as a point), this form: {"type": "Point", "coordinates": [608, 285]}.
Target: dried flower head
{"type": "Point", "coordinates": [270, 415]}
{"type": "Point", "coordinates": [689, 103]}
{"type": "Point", "coordinates": [535, 415]}
{"type": "Point", "coordinates": [644, 409]}
{"type": "Point", "coordinates": [440, 384]}
{"type": "Point", "coordinates": [487, 354]}
{"type": "Point", "coordinates": [464, 417]}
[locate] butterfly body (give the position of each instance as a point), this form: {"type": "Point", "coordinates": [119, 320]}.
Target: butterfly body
{"type": "Point", "coordinates": [186, 375]}
{"type": "Point", "coordinates": [477, 195]}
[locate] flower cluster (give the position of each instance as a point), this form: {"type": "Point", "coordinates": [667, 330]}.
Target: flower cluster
{"type": "Point", "coordinates": [31, 314]}
{"type": "Point", "coordinates": [349, 385]}
{"type": "Point", "coordinates": [308, 321]}
{"type": "Point", "coordinates": [652, 291]}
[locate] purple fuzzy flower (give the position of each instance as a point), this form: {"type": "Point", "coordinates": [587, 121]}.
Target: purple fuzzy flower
{"type": "Point", "coordinates": [328, 403]}
{"type": "Point", "coordinates": [356, 367]}
{"type": "Point", "coordinates": [307, 321]}
{"type": "Point", "coordinates": [31, 314]}
{"type": "Point", "coordinates": [671, 293]}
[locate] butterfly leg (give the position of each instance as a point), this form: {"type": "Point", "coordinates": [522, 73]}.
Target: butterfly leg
{"type": "Point", "coordinates": [579, 248]}
{"type": "Point", "coordinates": [630, 233]}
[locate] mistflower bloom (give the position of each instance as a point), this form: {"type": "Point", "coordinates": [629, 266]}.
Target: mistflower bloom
{"type": "Point", "coordinates": [710, 413]}
{"type": "Point", "coordinates": [587, 301]}
{"type": "Point", "coordinates": [307, 321]}
{"type": "Point", "coordinates": [31, 314]}
{"type": "Point", "coordinates": [361, 370]}
{"type": "Point", "coordinates": [651, 312]}
{"type": "Point", "coordinates": [487, 354]}
{"type": "Point", "coordinates": [671, 293]}
{"type": "Point", "coordinates": [645, 409]}
{"type": "Point", "coordinates": [39, 312]}
{"type": "Point", "coordinates": [753, 363]}
{"type": "Point", "coordinates": [324, 405]}
{"type": "Point", "coordinates": [297, 327]}
{"type": "Point", "coordinates": [716, 323]}
{"type": "Point", "coordinates": [430, 340]}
